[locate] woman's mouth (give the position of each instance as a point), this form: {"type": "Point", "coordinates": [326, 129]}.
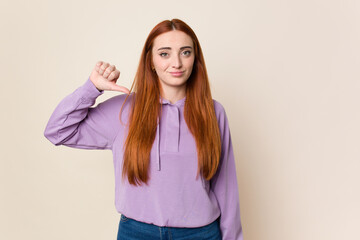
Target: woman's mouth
{"type": "Point", "coordinates": [177, 74]}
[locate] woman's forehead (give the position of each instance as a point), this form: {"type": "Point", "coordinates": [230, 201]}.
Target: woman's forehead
{"type": "Point", "coordinates": [172, 39]}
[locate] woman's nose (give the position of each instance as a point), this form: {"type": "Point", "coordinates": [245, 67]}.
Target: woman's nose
{"type": "Point", "coordinates": [177, 62]}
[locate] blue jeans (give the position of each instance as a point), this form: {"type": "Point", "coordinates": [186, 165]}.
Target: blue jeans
{"type": "Point", "coordinates": [130, 229]}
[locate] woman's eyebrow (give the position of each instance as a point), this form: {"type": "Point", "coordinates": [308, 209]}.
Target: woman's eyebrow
{"type": "Point", "coordinates": [164, 48]}
{"type": "Point", "coordinates": [182, 48]}
{"type": "Point", "coordinates": [169, 48]}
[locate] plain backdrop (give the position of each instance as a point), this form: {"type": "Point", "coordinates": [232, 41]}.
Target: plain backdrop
{"type": "Point", "coordinates": [287, 73]}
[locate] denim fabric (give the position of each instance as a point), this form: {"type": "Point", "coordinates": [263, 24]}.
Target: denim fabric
{"type": "Point", "coordinates": [130, 229]}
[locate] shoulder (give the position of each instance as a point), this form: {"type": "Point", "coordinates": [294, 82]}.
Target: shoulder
{"type": "Point", "coordinates": [116, 102]}
{"type": "Point", "coordinates": [111, 107]}
{"type": "Point", "coordinates": [219, 109]}
{"type": "Point", "coordinates": [221, 117]}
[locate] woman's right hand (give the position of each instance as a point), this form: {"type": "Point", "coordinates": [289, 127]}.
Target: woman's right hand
{"type": "Point", "coordinates": [104, 77]}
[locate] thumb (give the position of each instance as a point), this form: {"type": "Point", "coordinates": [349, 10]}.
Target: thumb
{"type": "Point", "coordinates": [115, 87]}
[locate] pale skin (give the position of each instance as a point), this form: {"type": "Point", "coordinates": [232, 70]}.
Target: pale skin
{"type": "Point", "coordinates": [172, 60]}
{"type": "Point", "coordinates": [104, 76]}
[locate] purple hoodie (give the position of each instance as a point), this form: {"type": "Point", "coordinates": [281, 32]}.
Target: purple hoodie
{"type": "Point", "coordinates": [173, 196]}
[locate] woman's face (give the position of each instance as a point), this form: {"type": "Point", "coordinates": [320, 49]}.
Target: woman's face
{"type": "Point", "coordinates": [173, 59]}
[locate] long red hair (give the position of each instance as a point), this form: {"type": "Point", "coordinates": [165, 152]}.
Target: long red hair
{"type": "Point", "coordinates": [199, 112]}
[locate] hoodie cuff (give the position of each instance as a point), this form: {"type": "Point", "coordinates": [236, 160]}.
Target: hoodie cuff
{"type": "Point", "coordinates": [91, 90]}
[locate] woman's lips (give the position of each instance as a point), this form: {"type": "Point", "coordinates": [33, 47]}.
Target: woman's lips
{"type": "Point", "coordinates": [176, 74]}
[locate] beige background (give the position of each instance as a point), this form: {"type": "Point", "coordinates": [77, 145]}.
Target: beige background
{"type": "Point", "coordinates": [287, 73]}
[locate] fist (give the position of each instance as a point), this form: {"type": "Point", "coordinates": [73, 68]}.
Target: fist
{"type": "Point", "coordinates": [104, 76]}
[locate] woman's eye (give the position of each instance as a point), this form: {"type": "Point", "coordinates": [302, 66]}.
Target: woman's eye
{"type": "Point", "coordinates": [163, 54]}
{"type": "Point", "coordinates": [186, 53]}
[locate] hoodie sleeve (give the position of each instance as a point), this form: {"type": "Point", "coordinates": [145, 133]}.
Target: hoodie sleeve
{"type": "Point", "coordinates": [224, 183]}
{"type": "Point", "coordinates": [75, 123]}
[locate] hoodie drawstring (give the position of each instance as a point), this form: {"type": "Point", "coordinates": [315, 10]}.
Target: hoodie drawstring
{"type": "Point", "coordinates": [172, 135]}
{"type": "Point", "coordinates": [158, 146]}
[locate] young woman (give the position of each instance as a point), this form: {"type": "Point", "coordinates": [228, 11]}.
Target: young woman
{"type": "Point", "coordinates": [175, 175]}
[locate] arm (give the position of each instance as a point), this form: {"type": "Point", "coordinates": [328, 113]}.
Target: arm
{"type": "Point", "coordinates": [74, 123]}
{"type": "Point", "coordinates": [224, 183]}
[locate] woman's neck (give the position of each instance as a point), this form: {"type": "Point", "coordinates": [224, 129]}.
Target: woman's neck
{"type": "Point", "coordinates": [173, 94]}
